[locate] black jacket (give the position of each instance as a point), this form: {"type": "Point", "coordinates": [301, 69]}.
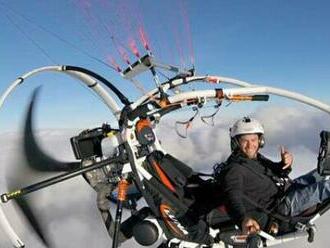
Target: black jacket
{"type": "Point", "coordinates": [245, 179]}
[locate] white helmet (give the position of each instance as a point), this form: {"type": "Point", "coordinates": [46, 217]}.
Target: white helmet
{"type": "Point", "coordinates": [246, 125]}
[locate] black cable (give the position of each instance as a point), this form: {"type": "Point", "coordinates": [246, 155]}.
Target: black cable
{"type": "Point", "coordinates": [163, 74]}
{"type": "Point", "coordinates": [118, 93]}
{"type": "Point", "coordinates": [36, 44]}
{"type": "Point", "coordinates": [72, 45]}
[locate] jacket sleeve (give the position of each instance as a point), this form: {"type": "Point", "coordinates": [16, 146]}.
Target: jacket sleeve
{"type": "Point", "coordinates": [276, 167]}
{"type": "Point", "coordinates": [233, 189]}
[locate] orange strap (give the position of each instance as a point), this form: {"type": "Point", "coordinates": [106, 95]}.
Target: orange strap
{"type": "Point", "coordinates": [163, 176]}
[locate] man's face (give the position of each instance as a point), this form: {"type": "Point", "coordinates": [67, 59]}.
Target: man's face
{"type": "Point", "coordinates": [249, 144]}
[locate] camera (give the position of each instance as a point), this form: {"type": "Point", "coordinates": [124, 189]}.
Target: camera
{"type": "Point", "coordinates": [87, 144]}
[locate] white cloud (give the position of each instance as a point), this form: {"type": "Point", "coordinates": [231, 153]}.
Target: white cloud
{"type": "Point", "coordinates": [68, 210]}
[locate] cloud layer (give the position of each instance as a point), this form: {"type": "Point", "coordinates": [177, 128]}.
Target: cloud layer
{"type": "Point", "coordinates": [68, 210]}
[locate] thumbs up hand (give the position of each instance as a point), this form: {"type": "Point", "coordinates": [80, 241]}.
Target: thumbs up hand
{"type": "Point", "coordinates": [286, 157]}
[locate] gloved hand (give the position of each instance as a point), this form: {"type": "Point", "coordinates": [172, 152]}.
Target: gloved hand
{"type": "Point", "coordinates": [250, 226]}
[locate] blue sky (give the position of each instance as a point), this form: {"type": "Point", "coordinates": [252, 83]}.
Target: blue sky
{"type": "Point", "coordinates": [279, 43]}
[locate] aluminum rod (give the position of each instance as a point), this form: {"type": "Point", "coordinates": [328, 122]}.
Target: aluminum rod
{"type": "Point", "coordinates": [178, 82]}
{"type": "Point", "coordinates": [8, 230]}
{"type": "Point", "coordinates": [57, 179]}
{"type": "Point", "coordinates": [252, 91]}
{"type": "Point", "coordinates": [87, 80]}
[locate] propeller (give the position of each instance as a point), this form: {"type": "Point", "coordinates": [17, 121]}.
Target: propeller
{"type": "Point", "coordinates": [36, 158]}
{"type": "Point", "coordinates": [25, 206]}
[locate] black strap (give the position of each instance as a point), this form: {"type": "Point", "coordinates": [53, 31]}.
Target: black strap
{"type": "Point", "coordinates": [269, 212]}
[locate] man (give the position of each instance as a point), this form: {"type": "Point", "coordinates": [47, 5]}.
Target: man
{"type": "Point", "coordinates": [252, 182]}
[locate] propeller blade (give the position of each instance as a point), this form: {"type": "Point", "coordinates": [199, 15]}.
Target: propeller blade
{"type": "Point", "coordinates": [36, 158]}
{"type": "Point", "coordinates": [24, 205]}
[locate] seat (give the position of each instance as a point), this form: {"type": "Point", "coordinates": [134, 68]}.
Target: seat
{"type": "Point", "coordinates": [219, 217]}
